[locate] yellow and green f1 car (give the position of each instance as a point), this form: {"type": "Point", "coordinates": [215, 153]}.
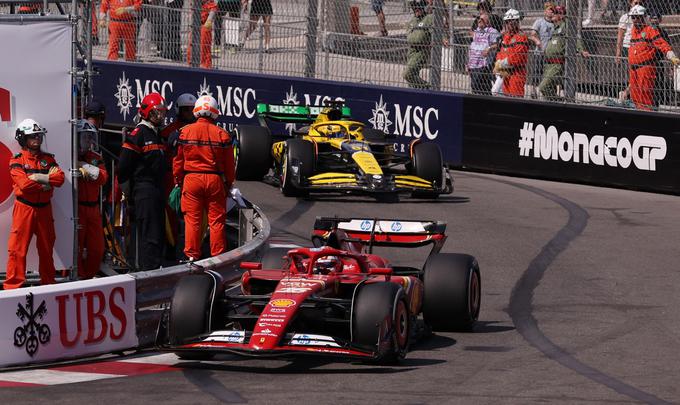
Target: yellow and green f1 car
{"type": "Point", "coordinates": [333, 153]}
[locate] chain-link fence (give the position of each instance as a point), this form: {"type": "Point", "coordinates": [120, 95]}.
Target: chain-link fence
{"type": "Point", "coordinates": [580, 57]}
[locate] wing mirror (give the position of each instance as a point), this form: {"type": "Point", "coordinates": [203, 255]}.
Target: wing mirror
{"type": "Point", "coordinates": [251, 265]}
{"type": "Point", "coordinates": [381, 271]}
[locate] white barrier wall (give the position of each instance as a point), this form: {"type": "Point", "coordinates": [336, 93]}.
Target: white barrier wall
{"type": "Point", "coordinates": [35, 83]}
{"type": "Point", "coordinates": [68, 320]}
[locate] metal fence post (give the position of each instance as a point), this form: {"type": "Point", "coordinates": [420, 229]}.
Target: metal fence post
{"type": "Point", "coordinates": [195, 33]}
{"type": "Point", "coordinates": [312, 22]}
{"type": "Point", "coordinates": [436, 55]}
{"type": "Point", "coordinates": [572, 34]}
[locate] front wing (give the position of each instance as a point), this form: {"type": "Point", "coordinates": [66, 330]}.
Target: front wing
{"type": "Point", "coordinates": [373, 184]}
{"type": "Point", "coordinates": [292, 344]}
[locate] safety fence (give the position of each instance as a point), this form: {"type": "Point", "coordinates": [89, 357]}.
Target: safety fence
{"type": "Point", "coordinates": [110, 314]}
{"type": "Point", "coordinates": [367, 42]}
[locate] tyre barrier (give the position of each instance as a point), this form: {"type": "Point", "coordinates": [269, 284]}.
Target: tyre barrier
{"type": "Point", "coordinates": [85, 318]}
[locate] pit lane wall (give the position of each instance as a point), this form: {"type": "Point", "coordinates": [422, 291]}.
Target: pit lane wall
{"type": "Point", "coordinates": [85, 318]}
{"type": "Point", "coordinates": [594, 145]}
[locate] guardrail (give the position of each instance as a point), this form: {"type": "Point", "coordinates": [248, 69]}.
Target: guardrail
{"type": "Point", "coordinates": [85, 318]}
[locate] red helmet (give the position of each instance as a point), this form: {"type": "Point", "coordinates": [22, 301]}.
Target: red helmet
{"type": "Point", "coordinates": [152, 101]}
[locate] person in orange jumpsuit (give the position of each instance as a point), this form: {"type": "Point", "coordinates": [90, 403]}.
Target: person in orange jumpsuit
{"type": "Point", "coordinates": [208, 9]}
{"type": "Point", "coordinates": [93, 176]}
{"type": "Point", "coordinates": [511, 60]}
{"type": "Point", "coordinates": [123, 15]}
{"type": "Point", "coordinates": [204, 166]}
{"type": "Point", "coordinates": [34, 174]}
{"type": "Point", "coordinates": [645, 40]}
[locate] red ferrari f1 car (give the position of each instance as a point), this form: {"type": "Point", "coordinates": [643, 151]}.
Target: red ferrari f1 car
{"type": "Point", "coordinates": [333, 299]}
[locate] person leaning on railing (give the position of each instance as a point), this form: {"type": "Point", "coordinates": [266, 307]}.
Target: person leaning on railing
{"type": "Point", "coordinates": [645, 42]}
{"type": "Point", "coordinates": [553, 69]}
{"type": "Point", "coordinates": [123, 16]}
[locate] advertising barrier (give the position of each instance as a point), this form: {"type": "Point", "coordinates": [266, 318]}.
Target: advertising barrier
{"type": "Point", "coordinates": [403, 113]}
{"type": "Point", "coordinates": [70, 320]}
{"type": "Point", "coordinates": [595, 145]}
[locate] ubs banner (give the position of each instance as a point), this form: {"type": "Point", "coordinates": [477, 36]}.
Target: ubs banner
{"type": "Point", "coordinates": [405, 114]}
{"type": "Point", "coordinates": [571, 143]}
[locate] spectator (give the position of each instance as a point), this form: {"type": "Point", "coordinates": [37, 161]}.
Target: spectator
{"type": "Point", "coordinates": [481, 55]}
{"type": "Point", "coordinates": [664, 82]}
{"type": "Point", "coordinates": [154, 11]}
{"type": "Point", "coordinates": [123, 15]}
{"type": "Point", "coordinates": [232, 8]}
{"type": "Point", "coordinates": [485, 7]}
{"type": "Point", "coordinates": [208, 9]}
{"type": "Point", "coordinates": [419, 39]}
{"type": "Point", "coordinates": [172, 46]}
{"type": "Point", "coordinates": [645, 42]}
{"type": "Point", "coordinates": [553, 70]}
{"type": "Point", "coordinates": [511, 60]}
{"type": "Point", "coordinates": [541, 32]}
{"type": "Point", "coordinates": [591, 12]}
{"type": "Point", "coordinates": [260, 8]}
{"type": "Point", "coordinates": [377, 6]}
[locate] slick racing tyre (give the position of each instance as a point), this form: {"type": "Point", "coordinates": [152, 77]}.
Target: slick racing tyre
{"type": "Point", "coordinates": [191, 312]}
{"type": "Point", "coordinates": [380, 315]}
{"type": "Point", "coordinates": [274, 258]}
{"type": "Point", "coordinates": [427, 163]}
{"type": "Point", "coordinates": [453, 288]}
{"type": "Point", "coordinates": [254, 152]}
{"type": "Point", "coordinates": [299, 156]}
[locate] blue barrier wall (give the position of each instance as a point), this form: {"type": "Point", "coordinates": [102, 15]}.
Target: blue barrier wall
{"type": "Point", "coordinates": [406, 114]}
{"type": "Point", "coordinates": [595, 145]}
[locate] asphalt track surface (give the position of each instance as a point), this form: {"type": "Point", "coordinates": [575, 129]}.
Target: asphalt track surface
{"type": "Point", "coordinates": [579, 305]}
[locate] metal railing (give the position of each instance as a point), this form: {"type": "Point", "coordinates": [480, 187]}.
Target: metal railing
{"type": "Point", "coordinates": [346, 41]}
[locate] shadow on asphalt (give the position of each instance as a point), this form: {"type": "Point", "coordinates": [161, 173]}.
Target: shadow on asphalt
{"type": "Point", "coordinates": [433, 342]}
{"type": "Point", "coordinates": [360, 199]}
{"type": "Point", "coordinates": [306, 366]}
{"type": "Point", "coordinates": [491, 327]}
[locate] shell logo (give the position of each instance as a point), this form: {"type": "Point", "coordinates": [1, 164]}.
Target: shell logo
{"type": "Point", "coordinates": [5, 179]}
{"type": "Point", "coordinates": [282, 303]}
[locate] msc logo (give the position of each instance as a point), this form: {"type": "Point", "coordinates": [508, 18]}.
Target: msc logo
{"type": "Point", "coordinates": [412, 121]}
{"type": "Point", "coordinates": [124, 96]}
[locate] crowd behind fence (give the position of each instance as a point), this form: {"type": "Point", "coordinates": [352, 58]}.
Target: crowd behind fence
{"type": "Point", "coordinates": [369, 41]}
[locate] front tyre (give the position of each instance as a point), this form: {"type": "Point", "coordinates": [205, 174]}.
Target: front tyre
{"type": "Point", "coordinates": [297, 164]}
{"type": "Point", "coordinates": [427, 163]}
{"type": "Point", "coordinates": [452, 297]}
{"type": "Point", "coordinates": [380, 318]}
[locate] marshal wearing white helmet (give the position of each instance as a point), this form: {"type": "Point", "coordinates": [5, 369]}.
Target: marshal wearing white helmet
{"type": "Point", "coordinates": [206, 106]}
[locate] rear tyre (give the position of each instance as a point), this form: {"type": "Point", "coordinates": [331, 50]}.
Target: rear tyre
{"type": "Point", "coordinates": [299, 155]}
{"type": "Point", "coordinates": [427, 163]}
{"type": "Point", "coordinates": [273, 258]}
{"type": "Point", "coordinates": [254, 156]}
{"type": "Point", "coordinates": [190, 312]}
{"type": "Point", "coordinates": [453, 287]}
{"type": "Point", "coordinates": [380, 314]}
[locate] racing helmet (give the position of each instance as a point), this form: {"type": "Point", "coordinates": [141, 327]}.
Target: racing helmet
{"type": "Point", "coordinates": [511, 15]}
{"type": "Point", "coordinates": [327, 264]}
{"type": "Point", "coordinates": [26, 128]}
{"type": "Point", "coordinates": [87, 135]}
{"type": "Point", "coordinates": [637, 10]}
{"type": "Point", "coordinates": [185, 100]}
{"type": "Point", "coordinates": [206, 106]}
{"type": "Point", "coordinates": [152, 102]}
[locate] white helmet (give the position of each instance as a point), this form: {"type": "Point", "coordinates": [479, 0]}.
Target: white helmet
{"type": "Point", "coordinates": [27, 127]}
{"type": "Point", "coordinates": [637, 10]}
{"type": "Point", "coordinates": [185, 100]}
{"type": "Point", "coordinates": [512, 14]}
{"type": "Point", "coordinates": [206, 106]}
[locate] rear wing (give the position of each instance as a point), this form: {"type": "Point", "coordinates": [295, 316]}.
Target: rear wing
{"type": "Point", "coordinates": [294, 113]}
{"type": "Point", "coordinates": [380, 232]}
